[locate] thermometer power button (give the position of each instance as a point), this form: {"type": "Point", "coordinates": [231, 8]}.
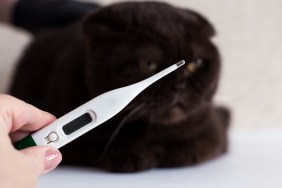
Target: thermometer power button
{"type": "Point", "coordinates": [52, 137]}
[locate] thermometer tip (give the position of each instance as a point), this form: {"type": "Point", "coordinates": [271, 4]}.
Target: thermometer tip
{"type": "Point", "coordinates": [180, 63]}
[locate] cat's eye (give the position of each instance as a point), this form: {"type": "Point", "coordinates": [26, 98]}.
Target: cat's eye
{"type": "Point", "coordinates": [148, 67]}
{"type": "Point", "coordinates": [194, 65]}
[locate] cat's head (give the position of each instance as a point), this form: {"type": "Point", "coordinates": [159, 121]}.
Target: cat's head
{"type": "Point", "coordinates": [129, 42]}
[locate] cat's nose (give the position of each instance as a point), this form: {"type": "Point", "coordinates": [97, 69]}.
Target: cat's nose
{"type": "Point", "coordinates": [180, 86]}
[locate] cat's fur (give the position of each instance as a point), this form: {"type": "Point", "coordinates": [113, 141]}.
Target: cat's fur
{"type": "Point", "coordinates": [171, 124]}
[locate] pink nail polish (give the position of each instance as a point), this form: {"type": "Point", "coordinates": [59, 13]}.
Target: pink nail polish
{"type": "Point", "coordinates": [53, 158]}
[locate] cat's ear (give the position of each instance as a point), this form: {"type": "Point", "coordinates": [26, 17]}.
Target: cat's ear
{"type": "Point", "coordinates": [194, 20]}
{"type": "Point", "coordinates": [102, 23]}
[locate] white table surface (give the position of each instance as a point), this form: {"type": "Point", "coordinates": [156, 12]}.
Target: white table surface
{"type": "Point", "coordinates": [254, 160]}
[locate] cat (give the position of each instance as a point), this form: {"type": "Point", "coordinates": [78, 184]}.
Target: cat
{"type": "Point", "coordinates": [173, 123]}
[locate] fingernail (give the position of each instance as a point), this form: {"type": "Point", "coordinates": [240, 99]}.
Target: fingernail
{"type": "Point", "coordinates": [53, 158]}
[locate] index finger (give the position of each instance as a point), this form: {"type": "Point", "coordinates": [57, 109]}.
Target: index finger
{"type": "Point", "coordinates": [17, 115]}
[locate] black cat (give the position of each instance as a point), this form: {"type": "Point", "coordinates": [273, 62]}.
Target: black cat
{"type": "Point", "coordinates": [171, 124]}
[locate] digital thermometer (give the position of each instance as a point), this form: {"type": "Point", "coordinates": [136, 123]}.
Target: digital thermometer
{"type": "Point", "coordinates": [90, 114]}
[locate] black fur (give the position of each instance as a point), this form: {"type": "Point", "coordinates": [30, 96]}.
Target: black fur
{"type": "Point", "coordinates": [171, 124]}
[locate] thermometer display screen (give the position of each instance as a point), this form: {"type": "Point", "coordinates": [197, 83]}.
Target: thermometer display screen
{"type": "Point", "coordinates": [77, 123]}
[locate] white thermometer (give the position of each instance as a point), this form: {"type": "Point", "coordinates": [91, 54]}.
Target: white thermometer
{"type": "Point", "coordinates": [90, 115]}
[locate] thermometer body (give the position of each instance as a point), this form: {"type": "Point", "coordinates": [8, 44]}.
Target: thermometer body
{"type": "Point", "coordinates": [89, 115]}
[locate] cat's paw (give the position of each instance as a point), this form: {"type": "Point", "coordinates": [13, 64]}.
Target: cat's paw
{"type": "Point", "coordinates": [189, 156]}
{"type": "Point", "coordinates": [128, 162]}
{"type": "Point", "coordinates": [203, 147]}
{"type": "Point", "coordinates": [181, 156]}
{"type": "Point", "coordinates": [224, 115]}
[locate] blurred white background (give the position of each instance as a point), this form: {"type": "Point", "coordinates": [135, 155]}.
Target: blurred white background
{"type": "Point", "coordinates": [249, 36]}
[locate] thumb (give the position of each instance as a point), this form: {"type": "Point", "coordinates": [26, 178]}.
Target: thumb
{"type": "Point", "coordinates": [43, 158]}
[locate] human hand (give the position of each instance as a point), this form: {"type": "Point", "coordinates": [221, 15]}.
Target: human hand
{"type": "Point", "coordinates": [6, 7]}
{"type": "Point", "coordinates": [23, 168]}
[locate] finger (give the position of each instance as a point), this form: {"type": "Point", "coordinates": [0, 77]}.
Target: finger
{"type": "Point", "coordinates": [43, 159]}
{"type": "Point", "coordinates": [18, 135]}
{"type": "Point", "coordinates": [17, 114]}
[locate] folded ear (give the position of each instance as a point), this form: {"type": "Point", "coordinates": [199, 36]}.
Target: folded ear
{"type": "Point", "coordinates": [105, 22]}
{"type": "Point", "coordinates": [97, 24]}
{"type": "Point", "coordinates": [123, 18]}
{"type": "Point", "coordinates": [194, 20]}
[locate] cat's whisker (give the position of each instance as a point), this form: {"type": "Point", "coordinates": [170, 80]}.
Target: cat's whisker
{"type": "Point", "coordinates": [120, 125]}
{"type": "Point", "coordinates": [150, 123]}
{"type": "Point", "coordinates": [130, 107]}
